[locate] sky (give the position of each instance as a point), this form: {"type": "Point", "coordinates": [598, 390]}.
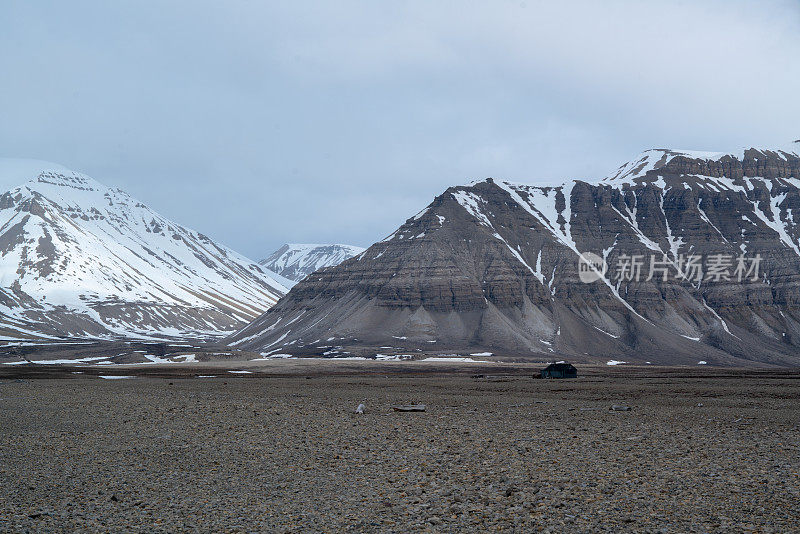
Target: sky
{"type": "Point", "coordinates": [260, 123]}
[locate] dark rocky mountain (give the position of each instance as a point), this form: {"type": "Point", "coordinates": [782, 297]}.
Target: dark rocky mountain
{"type": "Point", "coordinates": [78, 259]}
{"type": "Point", "coordinates": [494, 267]}
{"type": "Point", "coordinates": [296, 261]}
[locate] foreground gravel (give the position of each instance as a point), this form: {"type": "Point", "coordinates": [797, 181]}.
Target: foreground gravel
{"type": "Point", "coordinates": [512, 454]}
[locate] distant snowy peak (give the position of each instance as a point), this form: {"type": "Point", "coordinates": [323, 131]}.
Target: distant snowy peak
{"type": "Point", "coordinates": [296, 261]}
{"type": "Point", "coordinates": [80, 259]}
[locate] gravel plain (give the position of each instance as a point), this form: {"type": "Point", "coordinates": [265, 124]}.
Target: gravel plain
{"type": "Point", "coordinates": [496, 450]}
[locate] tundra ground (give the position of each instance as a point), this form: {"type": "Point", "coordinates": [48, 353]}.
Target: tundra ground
{"type": "Point", "coordinates": [280, 449]}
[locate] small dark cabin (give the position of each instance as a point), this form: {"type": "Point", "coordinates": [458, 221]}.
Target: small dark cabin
{"type": "Point", "coordinates": [560, 370]}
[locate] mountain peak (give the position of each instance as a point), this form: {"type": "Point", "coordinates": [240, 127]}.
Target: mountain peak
{"type": "Point", "coordinates": [496, 267]}
{"type": "Point", "coordinates": [55, 182]}
{"type": "Point", "coordinates": [83, 259]}
{"type": "Point", "coordinates": [295, 261]}
{"type": "Point", "coordinates": [17, 171]}
{"type": "Point", "coordinates": [64, 182]}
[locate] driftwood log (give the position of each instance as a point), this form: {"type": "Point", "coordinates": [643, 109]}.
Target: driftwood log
{"type": "Point", "coordinates": [409, 408]}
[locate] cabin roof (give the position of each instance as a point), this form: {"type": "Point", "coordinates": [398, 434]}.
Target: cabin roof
{"type": "Point", "coordinates": [560, 367]}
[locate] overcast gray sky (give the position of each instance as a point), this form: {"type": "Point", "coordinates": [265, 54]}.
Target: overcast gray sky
{"type": "Point", "coordinates": [259, 123]}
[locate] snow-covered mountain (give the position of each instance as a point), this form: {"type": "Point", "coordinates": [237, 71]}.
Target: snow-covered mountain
{"type": "Point", "coordinates": [296, 261]}
{"type": "Point", "coordinates": [78, 259]}
{"type": "Point", "coordinates": [702, 256]}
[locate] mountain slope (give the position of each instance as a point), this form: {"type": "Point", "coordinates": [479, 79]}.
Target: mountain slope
{"type": "Point", "coordinates": [78, 259]}
{"type": "Point", "coordinates": [493, 266]}
{"type": "Point", "coordinates": [296, 261]}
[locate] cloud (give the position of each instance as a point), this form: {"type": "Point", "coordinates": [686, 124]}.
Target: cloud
{"type": "Point", "coordinates": [259, 123]}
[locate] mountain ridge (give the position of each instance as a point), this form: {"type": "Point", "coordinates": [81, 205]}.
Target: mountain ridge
{"type": "Point", "coordinates": [493, 267]}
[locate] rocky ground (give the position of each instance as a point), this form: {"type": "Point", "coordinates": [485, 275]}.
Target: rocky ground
{"type": "Point", "coordinates": [280, 450]}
